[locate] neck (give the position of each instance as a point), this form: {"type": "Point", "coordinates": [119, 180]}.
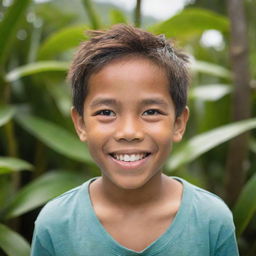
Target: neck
{"type": "Point", "coordinates": [149, 193]}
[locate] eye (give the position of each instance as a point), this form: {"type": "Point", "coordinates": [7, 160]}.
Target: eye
{"type": "Point", "coordinates": [105, 112]}
{"type": "Point", "coordinates": [152, 112]}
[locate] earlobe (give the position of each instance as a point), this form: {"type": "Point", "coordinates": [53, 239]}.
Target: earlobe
{"type": "Point", "coordinates": [180, 125]}
{"type": "Point", "coordinates": [79, 124]}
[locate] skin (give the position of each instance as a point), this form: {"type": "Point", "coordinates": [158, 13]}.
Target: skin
{"type": "Point", "coordinates": [128, 109]}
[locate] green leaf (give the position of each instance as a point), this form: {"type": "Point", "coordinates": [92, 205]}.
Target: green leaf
{"type": "Point", "coordinates": [191, 22]}
{"type": "Point", "coordinates": [6, 113]}
{"type": "Point", "coordinates": [117, 16]}
{"type": "Point", "coordinates": [41, 190]}
{"type": "Point", "coordinates": [91, 13]}
{"type": "Point", "coordinates": [210, 92]}
{"type": "Point", "coordinates": [55, 137]}
{"type": "Point", "coordinates": [61, 97]}
{"type": "Point", "coordinates": [35, 68]}
{"type": "Point", "coordinates": [12, 243]}
{"type": "Point", "coordinates": [8, 26]}
{"type": "Point", "coordinates": [253, 145]}
{"type": "Point", "coordinates": [202, 143]}
{"type": "Point", "coordinates": [10, 164]}
{"type": "Point", "coordinates": [245, 207]}
{"type": "Point", "coordinates": [211, 69]}
{"type": "Point", "coordinates": [61, 41]}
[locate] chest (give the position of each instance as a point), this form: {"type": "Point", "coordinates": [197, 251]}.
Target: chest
{"type": "Point", "coordinates": [136, 231]}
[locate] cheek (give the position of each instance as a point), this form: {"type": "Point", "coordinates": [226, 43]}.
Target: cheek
{"type": "Point", "coordinates": [162, 131]}
{"type": "Point", "coordinates": [94, 148]}
{"type": "Point", "coordinates": [162, 135]}
{"type": "Point", "coordinates": [95, 126]}
{"type": "Point", "coordinates": [165, 147]}
{"type": "Point", "coordinates": [97, 136]}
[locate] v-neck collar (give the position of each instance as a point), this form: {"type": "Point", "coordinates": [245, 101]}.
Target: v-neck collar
{"type": "Point", "coordinates": [166, 239]}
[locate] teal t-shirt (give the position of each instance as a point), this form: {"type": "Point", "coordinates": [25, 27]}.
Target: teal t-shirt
{"type": "Point", "coordinates": [68, 226]}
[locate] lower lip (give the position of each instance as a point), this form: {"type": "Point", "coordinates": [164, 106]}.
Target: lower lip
{"type": "Point", "coordinates": [130, 165]}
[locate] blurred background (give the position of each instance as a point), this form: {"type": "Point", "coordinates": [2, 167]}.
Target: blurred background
{"type": "Point", "coordinates": [40, 154]}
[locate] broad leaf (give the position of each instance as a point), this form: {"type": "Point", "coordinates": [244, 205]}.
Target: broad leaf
{"type": "Point", "coordinates": [245, 207]}
{"type": "Point", "coordinates": [92, 14]}
{"type": "Point", "coordinates": [253, 145]}
{"type": "Point", "coordinates": [10, 164]}
{"type": "Point", "coordinates": [61, 97]}
{"type": "Point", "coordinates": [202, 143]}
{"type": "Point", "coordinates": [117, 16]}
{"type": "Point", "coordinates": [211, 69]}
{"type": "Point", "coordinates": [191, 22]}
{"type": "Point", "coordinates": [61, 41]}
{"type": "Point", "coordinates": [211, 92]}
{"type": "Point", "coordinates": [42, 190]}
{"type": "Point", "coordinates": [8, 26]}
{"type": "Point", "coordinates": [35, 68]}
{"type": "Point", "coordinates": [55, 137]}
{"type": "Point", "coordinates": [12, 243]}
{"type": "Point", "coordinates": [6, 113]}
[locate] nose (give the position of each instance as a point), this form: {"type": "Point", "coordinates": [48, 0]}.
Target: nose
{"type": "Point", "coordinates": [129, 129]}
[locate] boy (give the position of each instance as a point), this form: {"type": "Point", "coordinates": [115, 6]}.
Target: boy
{"type": "Point", "coordinates": [129, 95]}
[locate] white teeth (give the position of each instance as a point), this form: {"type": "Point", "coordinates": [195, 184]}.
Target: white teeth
{"type": "Point", "coordinates": [129, 158]}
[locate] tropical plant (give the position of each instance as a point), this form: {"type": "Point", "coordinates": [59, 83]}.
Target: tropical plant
{"type": "Point", "coordinates": [41, 157]}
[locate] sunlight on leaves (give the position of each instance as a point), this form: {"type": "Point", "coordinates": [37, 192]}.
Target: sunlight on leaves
{"type": "Point", "coordinates": [10, 164]}
{"type": "Point", "coordinates": [13, 243]}
{"type": "Point", "coordinates": [202, 143]}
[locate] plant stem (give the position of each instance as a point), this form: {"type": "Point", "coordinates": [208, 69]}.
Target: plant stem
{"type": "Point", "coordinates": [241, 105]}
{"type": "Point", "coordinates": [137, 14]}
{"type": "Point", "coordinates": [94, 19]}
{"type": "Point", "coordinates": [11, 143]}
{"type": "Point", "coordinates": [5, 90]}
{"type": "Point", "coordinates": [12, 151]}
{"type": "Point", "coordinates": [40, 162]}
{"type": "Point", "coordinates": [15, 177]}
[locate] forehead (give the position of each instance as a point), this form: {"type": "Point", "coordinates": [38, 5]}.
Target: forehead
{"type": "Point", "coordinates": [129, 72]}
{"type": "Point", "coordinates": [129, 83]}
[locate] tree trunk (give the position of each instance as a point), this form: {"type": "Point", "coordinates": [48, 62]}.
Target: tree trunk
{"type": "Point", "coordinates": [241, 103]}
{"type": "Point", "coordinates": [137, 14]}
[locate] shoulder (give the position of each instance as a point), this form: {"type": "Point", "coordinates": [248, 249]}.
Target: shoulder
{"type": "Point", "coordinates": [60, 208]}
{"type": "Point", "coordinates": [206, 200]}
{"type": "Point", "coordinates": [61, 218]}
{"type": "Point", "coordinates": [210, 217]}
{"type": "Point", "coordinates": [209, 208]}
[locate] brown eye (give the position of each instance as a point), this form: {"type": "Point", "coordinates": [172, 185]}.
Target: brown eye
{"type": "Point", "coordinates": [105, 112]}
{"type": "Point", "coordinates": [151, 112]}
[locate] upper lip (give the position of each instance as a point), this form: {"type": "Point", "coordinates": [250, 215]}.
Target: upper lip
{"type": "Point", "coordinates": [129, 151]}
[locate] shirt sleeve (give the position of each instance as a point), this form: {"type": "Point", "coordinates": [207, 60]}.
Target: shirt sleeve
{"type": "Point", "coordinates": [37, 248]}
{"type": "Point", "coordinates": [227, 247]}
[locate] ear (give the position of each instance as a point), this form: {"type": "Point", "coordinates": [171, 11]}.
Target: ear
{"type": "Point", "coordinates": [79, 124]}
{"type": "Point", "coordinates": [180, 125]}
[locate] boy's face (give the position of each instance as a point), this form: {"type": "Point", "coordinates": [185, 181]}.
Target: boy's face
{"type": "Point", "coordinates": [129, 121]}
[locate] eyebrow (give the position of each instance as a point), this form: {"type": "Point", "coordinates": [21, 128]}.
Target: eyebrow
{"type": "Point", "coordinates": [154, 101]}
{"type": "Point", "coordinates": [103, 101]}
{"type": "Point", "coordinates": [113, 102]}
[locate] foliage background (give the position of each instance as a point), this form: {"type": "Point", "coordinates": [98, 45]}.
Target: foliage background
{"type": "Point", "coordinates": [40, 155]}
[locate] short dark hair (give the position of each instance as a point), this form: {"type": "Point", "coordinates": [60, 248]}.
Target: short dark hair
{"type": "Point", "coordinates": [125, 40]}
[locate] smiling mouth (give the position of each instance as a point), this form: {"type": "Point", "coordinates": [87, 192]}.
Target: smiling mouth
{"type": "Point", "coordinates": [130, 157]}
